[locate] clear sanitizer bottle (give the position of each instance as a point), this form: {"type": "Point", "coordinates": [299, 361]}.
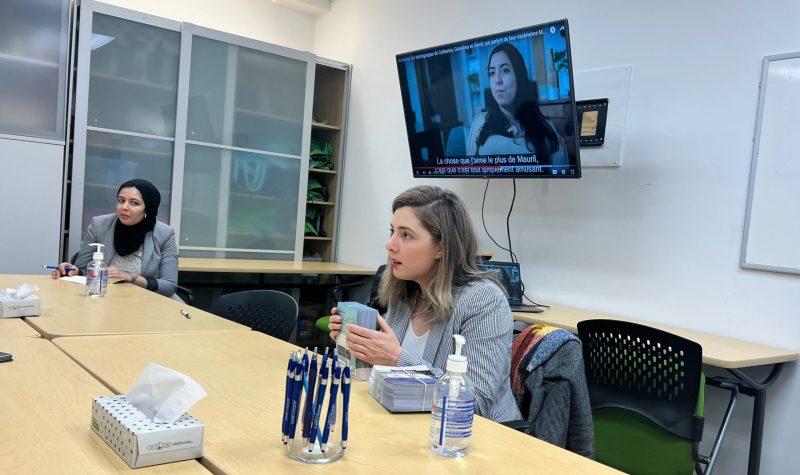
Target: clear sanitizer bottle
{"type": "Point", "coordinates": [96, 274]}
{"type": "Point", "coordinates": [453, 407]}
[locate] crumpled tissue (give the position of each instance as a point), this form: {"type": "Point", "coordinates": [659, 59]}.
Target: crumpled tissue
{"type": "Point", "coordinates": [163, 394]}
{"type": "Point", "coordinates": [22, 292]}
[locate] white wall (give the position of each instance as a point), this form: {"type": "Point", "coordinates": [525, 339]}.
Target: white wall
{"type": "Point", "coordinates": [257, 19]}
{"type": "Point", "coordinates": [657, 239]}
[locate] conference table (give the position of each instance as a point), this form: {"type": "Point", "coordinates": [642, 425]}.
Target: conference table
{"type": "Point", "coordinates": [244, 374]}
{"type": "Point", "coordinates": [46, 406]}
{"type": "Point", "coordinates": [126, 309]}
{"type": "Point", "coordinates": [16, 327]}
{"type": "Point", "coordinates": [729, 354]}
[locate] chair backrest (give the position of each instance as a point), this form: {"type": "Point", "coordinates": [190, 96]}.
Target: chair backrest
{"type": "Point", "coordinates": [266, 311]}
{"type": "Point", "coordinates": [645, 370]}
{"type": "Point", "coordinates": [372, 301]}
{"type": "Point", "coordinates": [376, 287]}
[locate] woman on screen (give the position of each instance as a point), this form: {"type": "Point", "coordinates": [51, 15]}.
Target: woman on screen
{"type": "Point", "coordinates": [137, 248]}
{"type": "Point", "coordinates": [433, 290]}
{"type": "Point", "coordinates": [513, 123]}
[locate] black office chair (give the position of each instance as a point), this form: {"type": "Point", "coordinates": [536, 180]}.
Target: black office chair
{"type": "Point", "coordinates": [265, 311]}
{"type": "Point", "coordinates": [336, 292]}
{"type": "Point", "coordinates": [646, 388]}
{"type": "Point", "coordinates": [337, 295]}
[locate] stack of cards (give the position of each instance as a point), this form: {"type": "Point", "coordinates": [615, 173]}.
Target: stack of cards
{"type": "Point", "coordinates": [363, 316]}
{"type": "Point", "coordinates": [406, 389]}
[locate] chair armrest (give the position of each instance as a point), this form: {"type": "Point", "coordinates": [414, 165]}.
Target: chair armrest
{"type": "Point", "coordinates": [519, 425]}
{"type": "Point", "coordinates": [185, 294]}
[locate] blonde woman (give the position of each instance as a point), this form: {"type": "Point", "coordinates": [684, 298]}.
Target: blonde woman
{"type": "Point", "coordinates": [433, 290]}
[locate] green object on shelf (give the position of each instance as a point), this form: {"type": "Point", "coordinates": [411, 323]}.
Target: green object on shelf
{"type": "Point", "coordinates": [320, 155]}
{"type": "Point", "coordinates": [316, 190]}
{"type": "Point", "coordinates": [313, 226]}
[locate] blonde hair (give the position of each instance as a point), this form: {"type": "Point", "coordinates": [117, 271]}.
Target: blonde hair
{"type": "Point", "coordinates": [438, 210]}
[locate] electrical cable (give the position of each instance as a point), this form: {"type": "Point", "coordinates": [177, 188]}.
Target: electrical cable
{"type": "Point", "coordinates": [508, 233]}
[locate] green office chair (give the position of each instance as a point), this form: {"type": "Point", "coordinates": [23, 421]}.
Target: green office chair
{"type": "Point", "coordinates": [647, 391]}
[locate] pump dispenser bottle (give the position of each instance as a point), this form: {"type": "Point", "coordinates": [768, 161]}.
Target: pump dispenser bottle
{"type": "Point", "coordinates": [453, 407]}
{"type": "Point", "coordinates": [96, 274]}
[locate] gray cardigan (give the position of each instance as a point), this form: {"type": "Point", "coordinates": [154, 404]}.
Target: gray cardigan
{"type": "Point", "coordinates": [482, 316]}
{"type": "Point", "coordinates": [159, 256]}
{"type": "Point", "coordinates": [560, 411]}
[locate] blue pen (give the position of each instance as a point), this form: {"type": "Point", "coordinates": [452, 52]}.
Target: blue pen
{"type": "Point", "coordinates": [308, 413]}
{"type": "Point", "coordinates": [66, 268]}
{"type": "Point", "coordinates": [305, 362]}
{"type": "Point", "coordinates": [325, 357]}
{"type": "Point", "coordinates": [294, 413]}
{"type": "Point", "coordinates": [329, 419]}
{"type": "Point", "coordinates": [287, 401]}
{"type": "Point", "coordinates": [334, 365]}
{"type": "Point", "coordinates": [315, 435]}
{"type": "Point", "coordinates": [345, 404]}
{"type": "Point", "coordinates": [323, 382]}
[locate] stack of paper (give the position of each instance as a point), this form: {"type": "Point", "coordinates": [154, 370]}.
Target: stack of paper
{"type": "Point", "coordinates": [402, 389]}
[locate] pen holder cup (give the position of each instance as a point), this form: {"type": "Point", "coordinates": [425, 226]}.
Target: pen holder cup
{"type": "Point", "coordinates": [304, 450]}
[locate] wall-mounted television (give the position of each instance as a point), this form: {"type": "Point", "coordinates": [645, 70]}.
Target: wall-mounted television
{"type": "Point", "coordinates": [497, 106]}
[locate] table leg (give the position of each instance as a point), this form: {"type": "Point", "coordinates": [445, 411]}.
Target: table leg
{"type": "Point", "coordinates": [757, 389]}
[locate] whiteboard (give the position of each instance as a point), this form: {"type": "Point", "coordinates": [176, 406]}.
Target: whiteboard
{"type": "Point", "coordinates": [772, 223]}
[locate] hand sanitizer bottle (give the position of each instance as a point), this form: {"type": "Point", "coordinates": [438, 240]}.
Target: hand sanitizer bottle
{"type": "Point", "coordinates": [453, 407]}
{"type": "Point", "coordinates": [96, 274]}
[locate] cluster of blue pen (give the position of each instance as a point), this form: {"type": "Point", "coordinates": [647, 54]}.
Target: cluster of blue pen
{"type": "Point", "coordinates": [305, 375]}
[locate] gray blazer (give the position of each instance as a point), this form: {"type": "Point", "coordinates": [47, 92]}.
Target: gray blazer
{"type": "Point", "coordinates": [159, 256]}
{"type": "Point", "coordinates": [482, 316]}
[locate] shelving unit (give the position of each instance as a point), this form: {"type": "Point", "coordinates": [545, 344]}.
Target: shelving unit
{"type": "Point", "coordinates": [34, 66]}
{"type": "Point", "coordinates": [329, 118]}
{"type": "Point", "coordinates": [220, 124]}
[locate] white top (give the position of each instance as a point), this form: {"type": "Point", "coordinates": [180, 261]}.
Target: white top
{"type": "Point", "coordinates": [413, 344]}
{"type": "Point", "coordinates": [130, 263]}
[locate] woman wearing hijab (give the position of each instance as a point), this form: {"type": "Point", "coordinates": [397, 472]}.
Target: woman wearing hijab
{"type": "Point", "coordinates": [137, 248]}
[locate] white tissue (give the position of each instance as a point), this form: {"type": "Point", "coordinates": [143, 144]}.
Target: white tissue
{"type": "Point", "coordinates": [24, 291]}
{"type": "Point", "coordinates": [164, 395]}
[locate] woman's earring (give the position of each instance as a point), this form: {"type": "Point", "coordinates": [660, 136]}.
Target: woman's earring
{"type": "Point", "coordinates": [145, 216]}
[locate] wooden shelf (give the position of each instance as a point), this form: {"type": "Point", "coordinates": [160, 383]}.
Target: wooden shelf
{"type": "Point", "coordinates": [322, 171]}
{"type": "Point", "coordinates": [319, 126]}
{"type": "Point", "coordinates": [329, 108]}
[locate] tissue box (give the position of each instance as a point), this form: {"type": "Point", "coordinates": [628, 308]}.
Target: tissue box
{"type": "Point", "coordinates": [140, 441]}
{"type": "Point", "coordinates": [26, 307]}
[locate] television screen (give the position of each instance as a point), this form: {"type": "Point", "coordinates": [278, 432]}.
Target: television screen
{"type": "Point", "coordinates": [501, 105]}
